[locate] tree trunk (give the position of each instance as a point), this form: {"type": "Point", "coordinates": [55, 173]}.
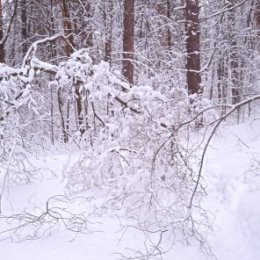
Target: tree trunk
{"type": "Point", "coordinates": [63, 127]}
{"type": "Point", "coordinates": [2, 52]}
{"type": "Point", "coordinates": [164, 10]}
{"type": "Point", "coordinates": [235, 73]}
{"type": "Point", "coordinates": [108, 19]}
{"type": "Point", "coordinates": [257, 22]}
{"type": "Point", "coordinates": [128, 40]}
{"type": "Point", "coordinates": [89, 42]}
{"type": "Point", "coordinates": [193, 47]}
{"type": "Point", "coordinates": [234, 57]}
{"type": "Point", "coordinates": [24, 26]}
{"type": "Point", "coordinates": [257, 16]}
{"type": "Point", "coordinates": [69, 49]}
{"type": "Point", "coordinates": [67, 28]}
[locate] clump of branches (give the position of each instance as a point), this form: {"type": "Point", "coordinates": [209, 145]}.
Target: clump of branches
{"type": "Point", "coordinates": [143, 155]}
{"type": "Point", "coordinates": [143, 149]}
{"type": "Point", "coordinates": [59, 214]}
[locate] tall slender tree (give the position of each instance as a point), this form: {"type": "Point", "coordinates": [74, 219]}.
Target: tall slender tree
{"type": "Point", "coordinates": [193, 63]}
{"type": "Point", "coordinates": [23, 6]}
{"type": "Point", "coordinates": [69, 49]}
{"type": "Point", "coordinates": [67, 27]}
{"type": "Point", "coordinates": [2, 52]}
{"type": "Point", "coordinates": [257, 20]}
{"type": "Point", "coordinates": [108, 20]}
{"type": "Point", "coordinates": [128, 40]}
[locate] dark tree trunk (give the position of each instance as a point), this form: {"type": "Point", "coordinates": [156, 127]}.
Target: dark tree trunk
{"type": "Point", "coordinates": [67, 27]}
{"type": "Point", "coordinates": [24, 26]}
{"type": "Point", "coordinates": [257, 22]}
{"type": "Point", "coordinates": [193, 47]}
{"type": "Point", "coordinates": [108, 19]}
{"type": "Point", "coordinates": [89, 42]}
{"type": "Point", "coordinates": [168, 14]}
{"type": "Point", "coordinates": [257, 16]}
{"type": "Point", "coordinates": [53, 54]}
{"type": "Point", "coordinates": [128, 40]}
{"type": "Point", "coordinates": [69, 49]}
{"type": "Point", "coordinates": [2, 52]}
{"type": "Point", "coordinates": [79, 108]}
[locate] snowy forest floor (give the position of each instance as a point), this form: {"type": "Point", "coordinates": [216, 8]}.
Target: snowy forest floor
{"type": "Point", "coordinates": [232, 178]}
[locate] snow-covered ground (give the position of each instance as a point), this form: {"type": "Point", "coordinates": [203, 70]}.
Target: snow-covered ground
{"type": "Point", "coordinates": [232, 179]}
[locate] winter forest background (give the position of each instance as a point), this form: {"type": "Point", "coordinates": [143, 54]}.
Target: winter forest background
{"type": "Point", "coordinates": [137, 119]}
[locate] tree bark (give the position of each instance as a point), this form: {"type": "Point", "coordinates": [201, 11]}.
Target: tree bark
{"type": "Point", "coordinates": [24, 26]}
{"type": "Point", "coordinates": [108, 19]}
{"type": "Point", "coordinates": [257, 22]}
{"type": "Point", "coordinates": [89, 42]}
{"type": "Point", "coordinates": [257, 16]}
{"type": "Point", "coordinates": [67, 27]}
{"type": "Point", "coordinates": [2, 52]}
{"type": "Point", "coordinates": [128, 40]}
{"type": "Point", "coordinates": [193, 66]}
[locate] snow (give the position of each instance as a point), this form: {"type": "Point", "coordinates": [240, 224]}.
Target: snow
{"type": "Point", "coordinates": [233, 191]}
{"type": "Point", "coordinates": [232, 181]}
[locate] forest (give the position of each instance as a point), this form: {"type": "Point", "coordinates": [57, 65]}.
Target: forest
{"type": "Point", "coordinates": [130, 125]}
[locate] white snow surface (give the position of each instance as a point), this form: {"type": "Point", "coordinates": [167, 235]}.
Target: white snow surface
{"type": "Point", "coordinates": [232, 179]}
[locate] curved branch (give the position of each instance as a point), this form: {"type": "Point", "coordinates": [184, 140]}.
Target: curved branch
{"type": "Point", "coordinates": [219, 121]}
